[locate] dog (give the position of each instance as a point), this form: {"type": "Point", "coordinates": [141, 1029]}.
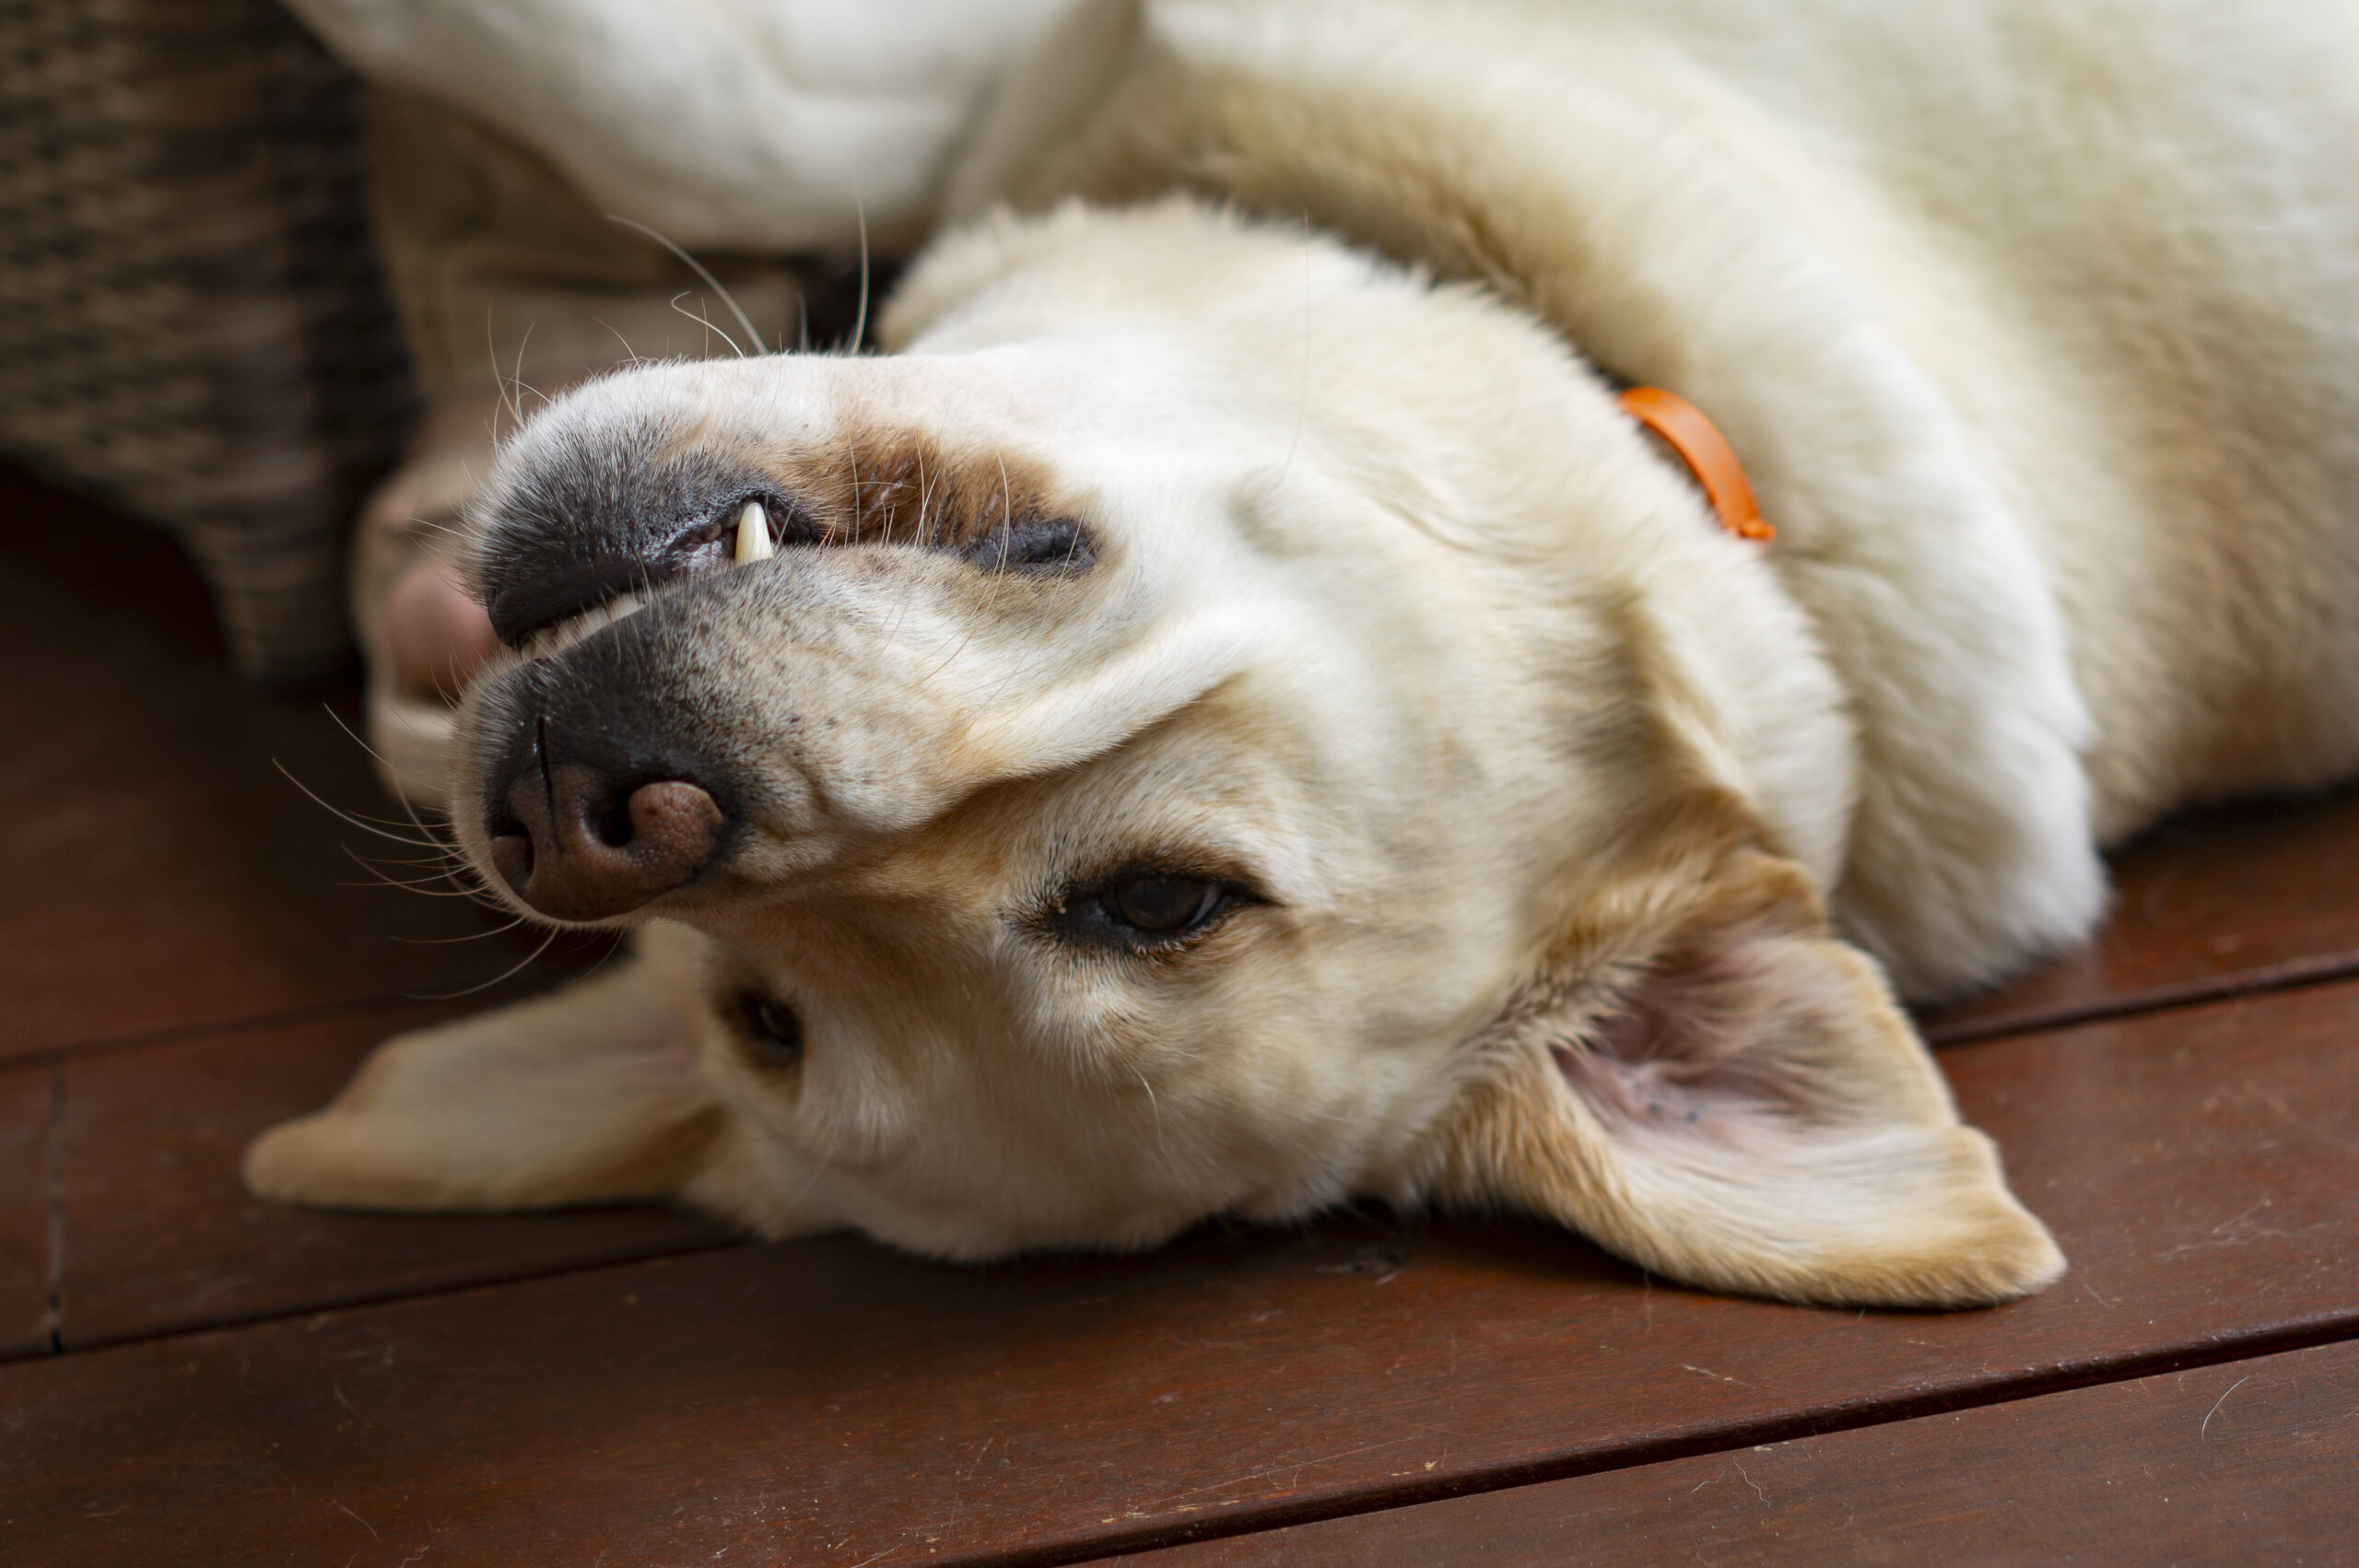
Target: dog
{"type": "Point", "coordinates": [1232, 712]}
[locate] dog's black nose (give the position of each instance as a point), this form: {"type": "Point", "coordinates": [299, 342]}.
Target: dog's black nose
{"type": "Point", "coordinates": [579, 846]}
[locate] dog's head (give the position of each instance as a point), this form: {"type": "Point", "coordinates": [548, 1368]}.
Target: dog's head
{"type": "Point", "coordinates": [1216, 726]}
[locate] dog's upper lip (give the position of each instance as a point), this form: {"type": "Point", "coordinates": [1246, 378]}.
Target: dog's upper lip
{"type": "Point", "coordinates": [542, 603]}
{"type": "Point", "coordinates": [602, 591]}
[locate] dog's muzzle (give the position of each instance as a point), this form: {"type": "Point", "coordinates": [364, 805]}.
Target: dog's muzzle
{"type": "Point", "coordinates": [598, 796]}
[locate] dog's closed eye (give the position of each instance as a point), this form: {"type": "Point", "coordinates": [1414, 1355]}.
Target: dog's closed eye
{"type": "Point", "coordinates": [1145, 910]}
{"type": "Point", "coordinates": [1038, 544]}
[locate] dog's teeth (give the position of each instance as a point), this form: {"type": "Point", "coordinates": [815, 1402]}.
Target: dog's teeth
{"type": "Point", "coordinates": [753, 535]}
{"type": "Point", "coordinates": [550, 641]}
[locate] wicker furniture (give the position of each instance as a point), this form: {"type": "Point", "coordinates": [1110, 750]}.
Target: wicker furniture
{"type": "Point", "coordinates": [192, 320]}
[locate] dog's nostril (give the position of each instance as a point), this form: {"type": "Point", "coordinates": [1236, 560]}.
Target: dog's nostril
{"type": "Point", "coordinates": [613, 826]}
{"type": "Point", "coordinates": [511, 856]}
{"type": "Point", "coordinates": [583, 849]}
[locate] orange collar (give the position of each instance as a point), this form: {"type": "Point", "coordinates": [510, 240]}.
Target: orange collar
{"type": "Point", "coordinates": [1706, 454]}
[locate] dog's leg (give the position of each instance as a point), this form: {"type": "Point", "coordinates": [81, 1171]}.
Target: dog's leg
{"type": "Point", "coordinates": [590, 1092]}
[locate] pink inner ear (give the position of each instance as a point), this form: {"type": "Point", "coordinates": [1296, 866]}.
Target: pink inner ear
{"type": "Point", "coordinates": [1691, 1054]}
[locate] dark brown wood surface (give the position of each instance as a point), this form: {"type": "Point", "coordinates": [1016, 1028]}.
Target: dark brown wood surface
{"type": "Point", "coordinates": [2240, 897]}
{"type": "Point", "coordinates": [165, 1239]}
{"type": "Point", "coordinates": [2253, 1462]}
{"type": "Point", "coordinates": [828, 1401]}
{"type": "Point", "coordinates": [164, 874]}
{"type": "Point", "coordinates": [27, 1097]}
{"type": "Point", "coordinates": [178, 967]}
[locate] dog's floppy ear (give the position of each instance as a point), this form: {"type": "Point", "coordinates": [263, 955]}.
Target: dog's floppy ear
{"type": "Point", "coordinates": [586, 1094]}
{"type": "Point", "coordinates": [1737, 1103]}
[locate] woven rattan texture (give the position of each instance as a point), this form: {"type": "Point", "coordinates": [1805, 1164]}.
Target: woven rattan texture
{"type": "Point", "coordinates": [192, 319]}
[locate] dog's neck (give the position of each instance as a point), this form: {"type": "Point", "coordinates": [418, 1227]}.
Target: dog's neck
{"type": "Point", "coordinates": [1706, 455]}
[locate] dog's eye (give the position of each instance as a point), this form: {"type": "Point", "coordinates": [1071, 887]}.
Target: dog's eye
{"type": "Point", "coordinates": [772, 1027]}
{"type": "Point", "coordinates": [1151, 911]}
{"type": "Point", "coordinates": [1042, 544]}
{"type": "Point", "coordinates": [1161, 906]}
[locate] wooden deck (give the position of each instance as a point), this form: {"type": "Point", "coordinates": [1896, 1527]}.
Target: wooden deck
{"type": "Point", "coordinates": [195, 1378]}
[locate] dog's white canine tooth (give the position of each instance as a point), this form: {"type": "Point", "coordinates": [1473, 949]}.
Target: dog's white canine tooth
{"type": "Point", "coordinates": [753, 535]}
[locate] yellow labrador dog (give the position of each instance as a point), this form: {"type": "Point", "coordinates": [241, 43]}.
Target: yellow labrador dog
{"type": "Point", "coordinates": [1231, 713]}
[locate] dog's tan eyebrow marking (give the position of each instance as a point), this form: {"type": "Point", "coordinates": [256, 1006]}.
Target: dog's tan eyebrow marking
{"type": "Point", "coordinates": [903, 487]}
{"type": "Point", "coordinates": [892, 487]}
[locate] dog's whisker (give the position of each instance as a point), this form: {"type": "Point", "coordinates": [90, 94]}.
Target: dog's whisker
{"type": "Point", "coordinates": [698, 267]}
{"type": "Point", "coordinates": [409, 811]}
{"type": "Point", "coordinates": [425, 887]}
{"type": "Point", "coordinates": [860, 319]}
{"type": "Point", "coordinates": [447, 853]}
{"type": "Point", "coordinates": [346, 817]}
{"type": "Point", "coordinates": [510, 973]}
{"type": "Point", "coordinates": [517, 383]}
{"type": "Point", "coordinates": [499, 376]}
{"type": "Point", "coordinates": [924, 523]}
{"type": "Point", "coordinates": [852, 449]}
{"type": "Point", "coordinates": [475, 936]}
{"type": "Point", "coordinates": [632, 356]}
{"type": "Point", "coordinates": [1006, 537]}
{"type": "Point", "coordinates": [416, 891]}
{"type": "Point", "coordinates": [921, 527]}
{"type": "Point", "coordinates": [392, 822]}
{"type": "Point", "coordinates": [428, 887]}
{"type": "Point", "coordinates": [436, 870]}
{"type": "Point", "coordinates": [706, 323]}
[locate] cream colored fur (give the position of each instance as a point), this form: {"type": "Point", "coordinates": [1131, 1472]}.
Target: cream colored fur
{"type": "Point", "coordinates": [2036, 332]}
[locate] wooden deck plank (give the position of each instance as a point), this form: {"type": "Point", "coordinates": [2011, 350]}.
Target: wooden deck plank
{"type": "Point", "coordinates": [27, 1095]}
{"type": "Point", "coordinates": [164, 1238]}
{"type": "Point", "coordinates": [2238, 897]}
{"type": "Point", "coordinates": [2250, 1462]}
{"type": "Point", "coordinates": [828, 1402]}
{"type": "Point", "coordinates": [183, 880]}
